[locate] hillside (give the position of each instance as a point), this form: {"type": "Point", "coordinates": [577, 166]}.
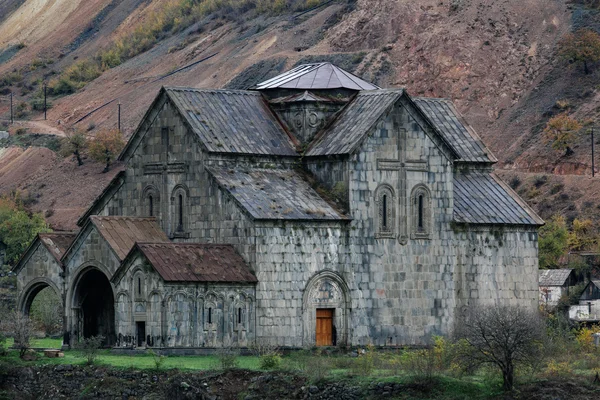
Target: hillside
{"type": "Point", "coordinates": [495, 59]}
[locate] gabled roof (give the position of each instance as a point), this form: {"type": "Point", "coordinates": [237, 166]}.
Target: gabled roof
{"type": "Point", "coordinates": [452, 125]}
{"type": "Point", "coordinates": [232, 121]}
{"type": "Point", "coordinates": [345, 134]}
{"type": "Point", "coordinates": [195, 262]}
{"type": "Point", "coordinates": [108, 192]}
{"type": "Point", "coordinates": [553, 277]}
{"type": "Point", "coordinates": [316, 76]}
{"type": "Point", "coordinates": [121, 233]}
{"type": "Point", "coordinates": [270, 194]}
{"type": "Point", "coordinates": [57, 243]}
{"type": "Point", "coordinates": [482, 198]}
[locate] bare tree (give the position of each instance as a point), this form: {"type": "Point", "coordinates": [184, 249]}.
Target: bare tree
{"type": "Point", "coordinates": [504, 336]}
{"type": "Point", "coordinates": [21, 328]}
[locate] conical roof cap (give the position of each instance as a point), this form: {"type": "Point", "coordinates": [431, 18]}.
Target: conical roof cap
{"type": "Point", "coordinates": [316, 76]}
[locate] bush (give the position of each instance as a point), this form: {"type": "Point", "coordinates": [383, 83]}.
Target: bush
{"type": "Point", "coordinates": [553, 242]}
{"type": "Point", "coordinates": [228, 357]}
{"type": "Point", "coordinates": [365, 362]}
{"type": "Point", "coordinates": [556, 369]}
{"type": "Point", "coordinates": [158, 359]}
{"type": "Point", "coordinates": [270, 361]}
{"type": "Point", "coordinates": [90, 347]}
{"type": "Point", "coordinates": [21, 328]}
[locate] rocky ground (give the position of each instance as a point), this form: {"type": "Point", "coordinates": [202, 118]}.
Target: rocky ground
{"type": "Point", "coordinates": [70, 382]}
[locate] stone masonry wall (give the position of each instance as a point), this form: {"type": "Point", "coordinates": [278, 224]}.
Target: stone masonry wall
{"type": "Point", "coordinates": [177, 314]}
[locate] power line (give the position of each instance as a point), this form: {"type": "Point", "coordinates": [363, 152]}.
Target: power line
{"type": "Point", "coordinates": [138, 88]}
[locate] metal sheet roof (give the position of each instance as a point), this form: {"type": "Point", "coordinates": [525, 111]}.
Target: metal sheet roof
{"type": "Point", "coordinates": [275, 194]}
{"type": "Point", "coordinates": [451, 124]}
{"type": "Point", "coordinates": [553, 277]}
{"type": "Point", "coordinates": [354, 122]}
{"type": "Point", "coordinates": [121, 233]}
{"type": "Point", "coordinates": [482, 198]}
{"type": "Point", "coordinates": [57, 243]}
{"type": "Point", "coordinates": [316, 76]}
{"type": "Point", "coordinates": [196, 262]}
{"type": "Point", "coordinates": [232, 121]}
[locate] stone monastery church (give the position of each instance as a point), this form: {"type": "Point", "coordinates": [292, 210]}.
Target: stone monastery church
{"type": "Point", "coordinates": [314, 209]}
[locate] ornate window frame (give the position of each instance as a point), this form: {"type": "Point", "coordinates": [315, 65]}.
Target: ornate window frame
{"type": "Point", "coordinates": [421, 212]}
{"type": "Point", "coordinates": [385, 201]}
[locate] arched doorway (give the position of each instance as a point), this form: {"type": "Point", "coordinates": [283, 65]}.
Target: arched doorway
{"type": "Point", "coordinates": [42, 301]}
{"type": "Point", "coordinates": [326, 310]}
{"type": "Point", "coordinates": [94, 306]}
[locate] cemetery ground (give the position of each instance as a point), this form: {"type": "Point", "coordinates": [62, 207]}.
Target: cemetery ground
{"type": "Point", "coordinates": [364, 373]}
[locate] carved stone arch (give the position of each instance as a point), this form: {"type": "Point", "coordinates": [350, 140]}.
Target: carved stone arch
{"type": "Point", "coordinates": [421, 213]}
{"type": "Point", "coordinates": [32, 289]}
{"type": "Point", "coordinates": [90, 303]}
{"type": "Point", "coordinates": [326, 290]}
{"type": "Point", "coordinates": [213, 319]}
{"type": "Point", "coordinates": [385, 216]}
{"type": "Point", "coordinates": [180, 199]}
{"type": "Point", "coordinates": [151, 201]}
{"type": "Point", "coordinates": [154, 319]}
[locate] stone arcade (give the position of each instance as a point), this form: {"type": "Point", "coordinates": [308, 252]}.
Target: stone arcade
{"type": "Point", "coordinates": [314, 209]}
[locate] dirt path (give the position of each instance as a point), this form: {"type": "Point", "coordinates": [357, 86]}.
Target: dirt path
{"type": "Point", "coordinates": [41, 127]}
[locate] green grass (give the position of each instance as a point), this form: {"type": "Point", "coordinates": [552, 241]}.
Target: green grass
{"type": "Point", "coordinates": [45, 343]}
{"type": "Point", "coordinates": [137, 361]}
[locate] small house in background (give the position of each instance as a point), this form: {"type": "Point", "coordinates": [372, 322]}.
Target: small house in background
{"type": "Point", "coordinates": [554, 283]}
{"type": "Point", "coordinates": [588, 308]}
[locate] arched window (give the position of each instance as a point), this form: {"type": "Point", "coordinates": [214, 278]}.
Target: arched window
{"type": "Point", "coordinates": [385, 202]}
{"type": "Point", "coordinates": [150, 200]}
{"type": "Point", "coordinates": [139, 286]}
{"type": "Point", "coordinates": [179, 211]}
{"type": "Point", "coordinates": [421, 213]}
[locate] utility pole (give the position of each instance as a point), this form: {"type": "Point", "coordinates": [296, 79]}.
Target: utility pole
{"type": "Point", "coordinates": [11, 108]}
{"type": "Point", "coordinates": [593, 167]}
{"type": "Point", "coordinates": [45, 104]}
{"type": "Point", "coordinates": [119, 116]}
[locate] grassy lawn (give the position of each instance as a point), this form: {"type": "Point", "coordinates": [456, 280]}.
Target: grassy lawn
{"type": "Point", "coordinates": [45, 343]}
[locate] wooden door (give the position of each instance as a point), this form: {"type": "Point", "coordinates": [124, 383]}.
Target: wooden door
{"type": "Point", "coordinates": [324, 326]}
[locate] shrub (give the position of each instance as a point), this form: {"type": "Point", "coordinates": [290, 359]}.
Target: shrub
{"type": "Point", "coordinates": [268, 355]}
{"type": "Point", "coordinates": [228, 357]}
{"type": "Point", "coordinates": [74, 143]}
{"type": "Point", "coordinates": [365, 362]}
{"type": "Point", "coordinates": [558, 369]}
{"type": "Point", "coordinates": [158, 359]}
{"type": "Point", "coordinates": [21, 328]}
{"type": "Point", "coordinates": [90, 347]}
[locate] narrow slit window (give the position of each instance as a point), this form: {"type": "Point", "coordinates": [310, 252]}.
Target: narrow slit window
{"type": "Point", "coordinates": [150, 206]}
{"type": "Point", "coordinates": [210, 315]}
{"type": "Point", "coordinates": [180, 226]}
{"type": "Point", "coordinates": [139, 285]}
{"type": "Point", "coordinates": [239, 315]}
{"type": "Point", "coordinates": [385, 212]}
{"type": "Point", "coordinates": [420, 216]}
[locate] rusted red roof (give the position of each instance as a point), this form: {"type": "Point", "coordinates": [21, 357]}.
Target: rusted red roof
{"type": "Point", "coordinates": [121, 233]}
{"type": "Point", "coordinates": [57, 242]}
{"type": "Point", "coordinates": [196, 262]}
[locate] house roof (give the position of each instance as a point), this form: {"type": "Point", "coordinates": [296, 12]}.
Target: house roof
{"type": "Point", "coordinates": [306, 96]}
{"type": "Point", "coordinates": [275, 194]}
{"type": "Point", "coordinates": [316, 76]}
{"type": "Point", "coordinates": [121, 233]}
{"type": "Point", "coordinates": [57, 243]}
{"type": "Point", "coordinates": [232, 121]}
{"type": "Point", "coordinates": [355, 120]}
{"type": "Point", "coordinates": [456, 131]}
{"type": "Point", "coordinates": [196, 262]}
{"type": "Point", "coordinates": [553, 277]}
{"type": "Point", "coordinates": [482, 198]}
